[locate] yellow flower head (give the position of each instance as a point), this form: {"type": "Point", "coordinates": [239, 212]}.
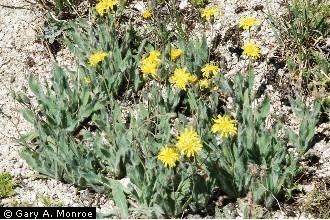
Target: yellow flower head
{"type": "Point", "coordinates": [209, 69]}
{"type": "Point", "coordinates": [175, 54]}
{"type": "Point", "coordinates": [251, 50]}
{"type": "Point", "coordinates": [189, 143]}
{"type": "Point", "coordinates": [248, 22]}
{"type": "Point", "coordinates": [209, 12]}
{"type": "Point", "coordinates": [225, 126]}
{"type": "Point", "coordinates": [147, 14]}
{"type": "Point", "coordinates": [168, 156]}
{"type": "Point", "coordinates": [149, 68]}
{"type": "Point", "coordinates": [104, 6]}
{"type": "Point", "coordinates": [97, 57]}
{"type": "Point", "coordinates": [204, 83]}
{"type": "Point", "coordinates": [101, 8]}
{"type": "Point", "coordinates": [181, 78]}
{"type": "Point", "coordinates": [154, 57]}
{"type": "Point", "coordinates": [150, 64]}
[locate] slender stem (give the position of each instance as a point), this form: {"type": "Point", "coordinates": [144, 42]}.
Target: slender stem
{"type": "Point", "coordinates": [173, 189]}
{"type": "Point", "coordinates": [193, 179]}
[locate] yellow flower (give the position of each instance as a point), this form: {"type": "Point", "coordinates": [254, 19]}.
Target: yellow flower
{"type": "Point", "coordinates": [146, 14]}
{"type": "Point", "coordinates": [104, 6]}
{"type": "Point", "coordinates": [149, 68]}
{"type": "Point", "coordinates": [168, 156]}
{"type": "Point", "coordinates": [101, 7]}
{"type": "Point", "coordinates": [189, 143]}
{"type": "Point", "coordinates": [204, 83]}
{"type": "Point", "coordinates": [225, 126]}
{"type": "Point", "coordinates": [251, 50]}
{"type": "Point", "coordinates": [154, 56]}
{"type": "Point", "coordinates": [247, 22]}
{"type": "Point", "coordinates": [209, 12]}
{"type": "Point", "coordinates": [175, 54]}
{"type": "Point", "coordinates": [97, 57]}
{"type": "Point", "coordinates": [181, 78]}
{"type": "Point", "coordinates": [150, 64]}
{"type": "Point", "coordinates": [210, 68]}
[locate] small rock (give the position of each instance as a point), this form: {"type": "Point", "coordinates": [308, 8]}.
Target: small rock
{"type": "Point", "coordinates": [258, 8]}
{"type": "Point", "coordinates": [140, 6]}
{"type": "Point", "coordinates": [240, 9]}
{"type": "Point", "coordinates": [183, 4]}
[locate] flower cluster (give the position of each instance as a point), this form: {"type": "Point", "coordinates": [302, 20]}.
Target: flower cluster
{"type": "Point", "coordinates": [104, 6]}
{"type": "Point", "coordinates": [181, 78]}
{"type": "Point", "coordinates": [188, 143]}
{"type": "Point", "coordinates": [209, 70]}
{"type": "Point", "coordinates": [97, 57]}
{"type": "Point", "coordinates": [150, 64]}
{"type": "Point", "coordinates": [250, 49]}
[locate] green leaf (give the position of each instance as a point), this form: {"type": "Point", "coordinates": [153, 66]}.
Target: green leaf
{"type": "Point", "coordinates": [22, 98]}
{"type": "Point", "coordinates": [29, 137]}
{"type": "Point", "coordinates": [265, 107]}
{"type": "Point", "coordinates": [119, 198]}
{"type": "Point", "coordinates": [35, 86]}
{"type": "Point", "coordinates": [28, 115]}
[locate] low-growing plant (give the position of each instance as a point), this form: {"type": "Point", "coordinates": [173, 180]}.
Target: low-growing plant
{"type": "Point", "coordinates": [158, 115]}
{"type": "Point", "coordinates": [49, 202]}
{"type": "Point", "coordinates": [119, 71]}
{"type": "Point", "coordinates": [58, 13]}
{"type": "Point", "coordinates": [63, 9]}
{"type": "Point", "coordinates": [303, 30]}
{"type": "Point", "coordinates": [250, 210]}
{"type": "Point", "coordinates": [257, 161]}
{"type": "Point", "coordinates": [7, 185]}
{"type": "Point", "coordinates": [317, 202]}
